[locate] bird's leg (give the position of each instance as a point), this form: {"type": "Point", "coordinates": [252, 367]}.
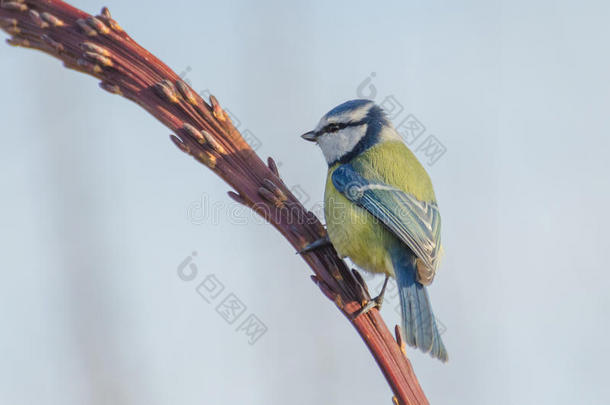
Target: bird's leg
{"type": "Point", "coordinates": [379, 299]}
{"type": "Point", "coordinates": [315, 245]}
{"type": "Point", "coordinates": [375, 302]}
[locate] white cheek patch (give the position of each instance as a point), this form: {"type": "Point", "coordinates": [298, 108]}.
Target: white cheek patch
{"type": "Point", "coordinates": [336, 144]}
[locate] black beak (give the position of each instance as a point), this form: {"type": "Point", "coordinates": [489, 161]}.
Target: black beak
{"type": "Point", "coordinates": [310, 136]}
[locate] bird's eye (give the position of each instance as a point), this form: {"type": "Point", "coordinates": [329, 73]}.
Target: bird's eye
{"type": "Point", "coordinates": [334, 127]}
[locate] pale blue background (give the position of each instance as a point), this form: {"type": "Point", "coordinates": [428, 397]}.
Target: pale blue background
{"type": "Point", "coordinates": [94, 222]}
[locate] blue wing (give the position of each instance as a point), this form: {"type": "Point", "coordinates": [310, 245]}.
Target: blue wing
{"type": "Point", "coordinates": [416, 223]}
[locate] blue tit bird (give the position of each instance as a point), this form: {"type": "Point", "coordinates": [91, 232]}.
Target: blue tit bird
{"type": "Point", "coordinates": [381, 211]}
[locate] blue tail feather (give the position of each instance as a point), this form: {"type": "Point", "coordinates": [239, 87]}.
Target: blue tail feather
{"type": "Point", "coordinates": [418, 323]}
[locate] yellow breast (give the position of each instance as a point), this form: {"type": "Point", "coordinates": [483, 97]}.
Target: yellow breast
{"type": "Point", "coordinates": [355, 233]}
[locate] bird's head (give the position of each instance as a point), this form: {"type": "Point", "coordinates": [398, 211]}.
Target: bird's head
{"type": "Point", "coordinates": [349, 129]}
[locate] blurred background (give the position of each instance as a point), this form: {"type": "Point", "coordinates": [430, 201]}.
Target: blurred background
{"type": "Point", "coordinates": [120, 255]}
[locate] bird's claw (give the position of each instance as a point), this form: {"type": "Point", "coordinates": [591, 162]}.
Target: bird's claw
{"type": "Point", "coordinates": [374, 303]}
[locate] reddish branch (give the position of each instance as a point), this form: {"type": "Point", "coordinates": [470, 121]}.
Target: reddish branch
{"type": "Point", "coordinates": [98, 46]}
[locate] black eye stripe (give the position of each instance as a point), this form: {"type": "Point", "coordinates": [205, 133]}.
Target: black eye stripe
{"type": "Point", "coordinates": [336, 126]}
